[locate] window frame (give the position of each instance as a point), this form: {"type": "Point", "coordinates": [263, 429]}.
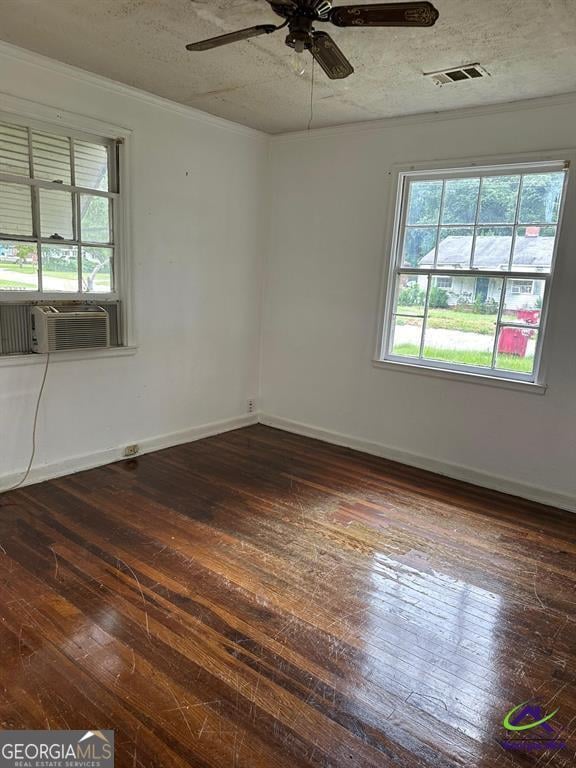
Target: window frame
{"type": "Point", "coordinates": [35, 185]}
{"type": "Point", "coordinates": [34, 115]}
{"type": "Point", "coordinates": [397, 212]}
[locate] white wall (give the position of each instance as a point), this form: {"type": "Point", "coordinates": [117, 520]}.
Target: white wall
{"type": "Point", "coordinates": [197, 229]}
{"type": "Point", "coordinates": [205, 197]}
{"type": "Point", "coordinates": [331, 191]}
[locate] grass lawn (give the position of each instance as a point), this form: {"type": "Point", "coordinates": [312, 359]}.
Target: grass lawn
{"type": "Point", "coordinates": [12, 284]}
{"type": "Point", "coordinates": [30, 269]}
{"type": "Point", "coordinates": [453, 320]}
{"type": "Point", "coordinates": [23, 269]}
{"type": "Point", "coordinates": [468, 357]}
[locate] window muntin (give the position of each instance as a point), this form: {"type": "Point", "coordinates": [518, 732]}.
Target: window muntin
{"type": "Point", "coordinates": [58, 207]}
{"type": "Point", "coordinates": [469, 247]}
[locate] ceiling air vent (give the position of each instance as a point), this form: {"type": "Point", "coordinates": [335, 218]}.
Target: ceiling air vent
{"type": "Point", "coordinates": [458, 74]}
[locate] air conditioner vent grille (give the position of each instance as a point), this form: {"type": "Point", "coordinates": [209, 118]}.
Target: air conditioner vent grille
{"type": "Point", "coordinates": [457, 74]}
{"type": "Point", "coordinates": [57, 330]}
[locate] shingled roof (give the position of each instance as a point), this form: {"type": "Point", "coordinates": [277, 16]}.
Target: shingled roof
{"type": "Point", "coordinates": [493, 252]}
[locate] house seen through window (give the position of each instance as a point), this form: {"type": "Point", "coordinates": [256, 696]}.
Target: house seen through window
{"type": "Point", "coordinates": [472, 267]}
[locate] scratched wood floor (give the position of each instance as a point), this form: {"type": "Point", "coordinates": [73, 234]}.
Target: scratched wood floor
{"type": "Point", "coordinates": [260, 599]}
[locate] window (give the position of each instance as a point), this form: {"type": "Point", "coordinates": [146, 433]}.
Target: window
{"type": "Point", "coordinates": [60, 216]}
{"type": "Point", "coordinates": [471, 267]}
{"type": "Point", "coordinates": [523, 286]}
{"type": "Point", "coordinates": [58, 195]}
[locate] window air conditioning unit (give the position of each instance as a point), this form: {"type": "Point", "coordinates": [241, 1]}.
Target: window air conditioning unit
{"type": "Point", "coordinates": [58, 329]}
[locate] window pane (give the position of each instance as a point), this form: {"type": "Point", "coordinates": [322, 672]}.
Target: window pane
{"type": "Point", "coordinates": [56, 214]}
{"type": "Point", "coordinates": [18, 266]}
{"type": "Point", "coordinates": [534, 249]}
{"type": "Point", "coordinates": [523, 301]}
{"type": "Point", "coordinates": [15, 209]}
{"type": "Point", "coordinates": [460, 201]}
{"type": "Point", "coordinates": [516, 349]}
{"type": "Point", "coordinates": [492, 248]}
{"type": "Point", "coordinates": [91, 165]}
{"type": "Point", "coordinates": [540, 197]}
{"type": "Point", "coordinates": [445, 282]}
{"type": "Point", "coordinates": [455, 247]}
{"type": "Point", "coordinates": [14, 157]}
{"type": "Point", "coordinates": [424, 202]}
{"type": "Point", "coordinates": [406, 336]}
{"type": "Point", "coordinates": [461, 323]}
{"type": "Point", "coordinates": [419, 246]}
{"type": "Point", "coordinates": [59, 268]}
{"type": "Point", "coordinates": [94, 219]}
{"type": "Point", "coordinates": [411, 294]}
{"type": "Point", "coordinates": [498, 199]}
{"type": "Point", "coordinates": [51, 157]}
{"type": "Point", "coordinates": [97, 270]}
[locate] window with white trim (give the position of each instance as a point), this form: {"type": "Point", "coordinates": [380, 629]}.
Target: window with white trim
{"type": "Point", "coordinates": [472, 263]}
{"type": "Point", "coordinates": [58, 195]}
{"type": "Point", "coordinates": [60, 214]}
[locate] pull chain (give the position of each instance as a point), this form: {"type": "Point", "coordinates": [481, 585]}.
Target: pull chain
{"type": "Point", "coordinates": [311, 96]}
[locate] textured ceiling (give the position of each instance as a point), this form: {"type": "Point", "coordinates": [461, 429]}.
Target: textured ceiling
{"type": "Point", "coordinates": [528, 46]}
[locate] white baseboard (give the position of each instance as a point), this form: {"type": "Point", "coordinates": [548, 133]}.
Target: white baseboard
{"type": "Point", "coordinates": [455, 471]}
{"type": "Point", "coordinates": [75, 464]}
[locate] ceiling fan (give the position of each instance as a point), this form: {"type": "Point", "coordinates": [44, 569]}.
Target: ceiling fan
{"type": "Point", "coordinates": [300, 16]}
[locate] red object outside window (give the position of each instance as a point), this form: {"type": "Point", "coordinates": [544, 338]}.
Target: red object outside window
{"type": "Point", "coordinates": [531, 316]}
{"type": "Point", "coordinates": [514, 341]}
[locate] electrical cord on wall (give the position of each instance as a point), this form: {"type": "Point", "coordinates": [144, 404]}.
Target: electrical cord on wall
{"type": "Point", "coordinates": [36, 411]}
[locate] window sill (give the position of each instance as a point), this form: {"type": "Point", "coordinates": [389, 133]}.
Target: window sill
{"type": "Point", "coordinates": [7, 361]}
{"type": "Point", "coordinates": [527, 387]}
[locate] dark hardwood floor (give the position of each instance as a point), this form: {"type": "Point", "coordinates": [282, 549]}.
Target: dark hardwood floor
{"type": "Point", "coordinates": [259, 599]}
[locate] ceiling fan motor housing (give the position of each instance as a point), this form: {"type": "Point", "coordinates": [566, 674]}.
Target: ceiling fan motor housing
{"type": "Point", "coordinates": [300, 35]}
{"type": "Point", "coordinates": [300, 15]}
{"type": "Point", "coordinates": [317, 10]}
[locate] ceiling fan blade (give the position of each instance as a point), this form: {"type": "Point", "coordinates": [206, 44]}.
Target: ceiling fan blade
{"type": "Point", "coordinates": [330, 57]}
{"type": "Point", "coordinates": [232, 37]}
{"type": "Point", "coordinates": [385, 15]}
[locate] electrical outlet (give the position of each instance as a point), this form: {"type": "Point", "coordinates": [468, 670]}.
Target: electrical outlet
{"type": "Point", "coordinates": [132, 450]}
{"type": "Point", "coordinates": [251, 406]}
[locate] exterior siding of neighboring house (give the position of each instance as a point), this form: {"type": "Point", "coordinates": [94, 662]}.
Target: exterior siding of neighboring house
{"type": "Point", "coordinates": [524, 295]}
{"type": "Point", "coordinates": [531, 254]}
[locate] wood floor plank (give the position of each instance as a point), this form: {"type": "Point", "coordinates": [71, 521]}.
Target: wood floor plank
{"type": "Point", "coordinates": [263, 600]}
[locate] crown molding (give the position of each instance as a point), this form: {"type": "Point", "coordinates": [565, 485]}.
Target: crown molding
{"type": "Point", "coordinates": [15, 53]}
{"type": "Point", "coordinates": [50, 116]}
{"type": "Point", "coordinates": [368, 126]}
